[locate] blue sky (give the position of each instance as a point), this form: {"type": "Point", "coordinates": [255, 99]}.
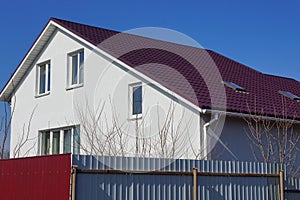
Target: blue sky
{"type": "Point", "coordinates": [263, 35]}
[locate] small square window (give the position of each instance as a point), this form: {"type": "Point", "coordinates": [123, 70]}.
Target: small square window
{"type": "Point", "coordinates": [136, 100]}
{"type": "Point", "coordinates": [75, 68]}
{"type": "Point", "coordinates": [43, 78]}
{"type": "Point", "coordinates": [235, 87]}
{"type": "Point", "coordinates": [290, 95]}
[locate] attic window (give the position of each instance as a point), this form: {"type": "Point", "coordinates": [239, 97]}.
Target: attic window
{"type": "Point", "coordinates": [75, 69]}
{"type": "Point", "coordinates": [43, 79]}
{"type": "Point", "coordinates": [235, 87]}
{"type": "Point", "coordinates": [290, 95]}
{"type": "Point", "coordinates": [136, 100]}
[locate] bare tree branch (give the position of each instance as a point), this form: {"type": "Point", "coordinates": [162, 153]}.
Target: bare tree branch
{"type": "Point", "coordinates": [109, 136]}
{"type": "Point", "coordinates": [274, 140]}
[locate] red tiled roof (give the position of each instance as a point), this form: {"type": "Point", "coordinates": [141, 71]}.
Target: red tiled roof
{"type": "Point", "coordinates": [191, 72]}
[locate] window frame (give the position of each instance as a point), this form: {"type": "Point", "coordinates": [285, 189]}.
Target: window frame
{"type": "Point", "coordinates": [44, 146]}
{"type": "Point", "coordinates": [235, 87]}
{"type": "Point", "coordinates": [59, 138]}
{"type": "Point", "coordinates": [80, 69]}
{"type": "Point", "coordinates": [48, 81]}
{"type": "Point", "coordinates": [131, 102]}
{"type": "Point", "coordinates": [289, 95]}
{"type": "Point", "coordinates": [74, 149]}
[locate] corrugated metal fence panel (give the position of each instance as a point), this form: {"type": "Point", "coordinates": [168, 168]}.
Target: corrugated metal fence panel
{"type": "Point", "coordinates": [292, 195]}
{"type": "Point", "coordinates": [35, 178]}
{"type": "Point", "coordinates": [128, 187]}
{"type": "Point", "coordinates": [292, 186]}
{"type": "Point", "coordinates": [152, 187]}
{"type": "Point", "coordinates": [182, 165]}
{"type": "Point", "coordinates": [145, 186]}
{"type": "Point", "coordinates": [222, 187]}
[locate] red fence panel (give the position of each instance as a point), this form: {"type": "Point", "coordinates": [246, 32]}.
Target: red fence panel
{"type": "Point", "coordinates": [36, 178]}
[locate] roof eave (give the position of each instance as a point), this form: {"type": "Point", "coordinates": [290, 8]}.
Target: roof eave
{"type": "Point", "coordinates": [13, 82]}
{"type": "Point", "coordinates": [243, 115]}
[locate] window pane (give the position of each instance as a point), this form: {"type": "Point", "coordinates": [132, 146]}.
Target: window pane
{"type": "Point", "coordinates": [49, 72]}
{"type": "Point", "coordinates": [67, 141]}
{"type": "Point", "coordinates": [42, 79]}
{"type": "Point", "coordinates": [56, 143]}
{"type": "Point", "coordinates": [74, 69]}
{"type": "Point", "coordinates": [137, 100]}
{"type": "Point", "coordinates": [76, 141]}
{"type": "Point", "coordinates": [45, 143]}
{"type": "Point", "coordinates": [81, 54]}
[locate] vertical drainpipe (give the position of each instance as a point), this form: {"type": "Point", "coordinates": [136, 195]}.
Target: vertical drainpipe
{"type": "Point", "coordinates": [200, 150]}
{"type": "Point", "coordinates": [205, 128]}
{"type": "Point", "coordinates": [74, 171]}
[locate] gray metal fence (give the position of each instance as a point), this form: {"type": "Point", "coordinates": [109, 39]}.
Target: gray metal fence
{"type": "Point", "coordinates": [106, 177]}
{"type": "Point", "coordinates": [292, 188]}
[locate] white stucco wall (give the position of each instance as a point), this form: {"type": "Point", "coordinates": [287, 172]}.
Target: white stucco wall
{"type": "Point", "coordinates": [107, 85]}
{"type": "Point", "coordinates": [235, 142]}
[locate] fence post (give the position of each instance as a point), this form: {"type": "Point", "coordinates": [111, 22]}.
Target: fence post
{"type": "Point", "coordinates": [74, 171]}
{"type": "Point", "coordinates": [195, 170]}
{"type": "Point", "coordinates": [281, 185]}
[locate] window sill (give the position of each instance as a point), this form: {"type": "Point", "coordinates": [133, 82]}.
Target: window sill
{"type": "Point", "coordinates": [135, 117]}
{"type": "Point", "coordinates": [71, 87]}
{"type": "Point", "coordinates": [43, 94]}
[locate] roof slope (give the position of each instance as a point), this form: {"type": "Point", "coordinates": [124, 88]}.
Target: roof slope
{"type": "Point", "coordinates": [193, 72]}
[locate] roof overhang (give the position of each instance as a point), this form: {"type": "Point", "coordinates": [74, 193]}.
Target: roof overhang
{"type": "Point", "coordinates": [8, 90]}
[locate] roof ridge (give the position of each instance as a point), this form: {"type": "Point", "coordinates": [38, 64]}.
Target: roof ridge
{"type": "Point", "coordinates": [123, 32]}
{"type": "Point", "coordinates": [92, 26]}
{"type": "Point", "coordinates": [231, 59]}
{"type": "Point", "coordinates": [277, 76]}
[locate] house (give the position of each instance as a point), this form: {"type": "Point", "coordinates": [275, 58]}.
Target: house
{"type": "Point", "coordinates": [87, 90]}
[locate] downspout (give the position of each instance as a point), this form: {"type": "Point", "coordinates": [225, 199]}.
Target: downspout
{"type": "Point", "coordinates": [205, 128]}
